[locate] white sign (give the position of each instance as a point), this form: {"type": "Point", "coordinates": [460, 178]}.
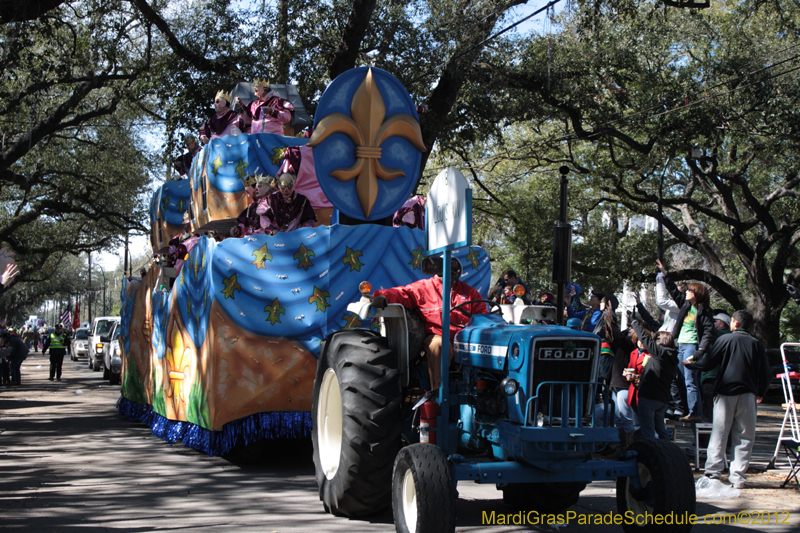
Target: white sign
{"type": "Point", "coordinates": [448, 221]}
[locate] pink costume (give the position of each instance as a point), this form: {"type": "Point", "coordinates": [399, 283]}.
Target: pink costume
{"type": "Point", "coordinates": [262, 120]}
{"type": "Point", "coordinates": [229, 123]}
{"type": "Point", "coordinates": [300, 160]}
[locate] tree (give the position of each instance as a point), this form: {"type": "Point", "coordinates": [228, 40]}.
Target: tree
{"type": "Point", "coordinates": [633, 87]}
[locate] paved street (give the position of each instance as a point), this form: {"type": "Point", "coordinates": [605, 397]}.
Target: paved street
{"type": "Point", "coordinates": [70, 462]}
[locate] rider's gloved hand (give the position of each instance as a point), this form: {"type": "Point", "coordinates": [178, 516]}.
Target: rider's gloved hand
{"type": "Point", "coordinates": [379, 302]}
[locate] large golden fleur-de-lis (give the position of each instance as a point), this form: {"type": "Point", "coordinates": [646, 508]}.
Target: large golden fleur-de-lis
{"type": "Point", "coordinates": [368, 130]}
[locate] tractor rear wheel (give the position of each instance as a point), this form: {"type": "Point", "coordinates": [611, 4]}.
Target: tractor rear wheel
{"type": "Point", "coordinates": [423, 492]}
{"type": "Point", "coordinates": [543, 497]}
{"type": "Point", "coordinates": [667, 488]}
{"type": "Point", "coordinates": [357, 423]}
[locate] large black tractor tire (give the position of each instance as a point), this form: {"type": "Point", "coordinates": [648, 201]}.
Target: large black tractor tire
{"type": "Point", "coordinates": [668, 488]}
{"type": "Point", "coordinates": [543, 497]}
{"type": "Point", "coordinates": [357, 420]}
{"type": "Point", "coordinates": [423, 492]}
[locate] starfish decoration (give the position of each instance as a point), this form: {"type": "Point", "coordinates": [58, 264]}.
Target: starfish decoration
{"type": "Point", "coordinates": [368, 130]}
{"type": "Point", "coordinates": [472, 257]}
{"type": "Point", "coordinates": [262, 256]}
{"type": "Point", "coordinates": [351, 258]}
{"type": "Point", "coordinates": [417, 256]}
{"type": "Point", "coordinates": [351, 320]}
{"type": "Point", "coordinates": [274, 311]}
{"type": "Point", "coordinates": [277, 155]}
{"type": "Point", "coordinates": [230, 285]}
{"type": "Point", "coordinates": [320, 298]}
{"type": "Point", "coordinates": [241, 168]}
{"type": "Point", "coordinates": [304, 255]}
{"type": "Point", "coordinates": [216, 164]}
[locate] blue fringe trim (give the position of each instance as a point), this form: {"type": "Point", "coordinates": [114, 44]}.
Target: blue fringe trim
{"type": "Point", "coordinates": [253, 428]}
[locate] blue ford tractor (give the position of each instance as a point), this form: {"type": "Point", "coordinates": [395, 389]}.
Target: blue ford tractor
{"type": "Point", "coordinates": [523, 411]}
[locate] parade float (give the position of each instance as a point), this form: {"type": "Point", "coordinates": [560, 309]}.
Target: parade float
{"type": "Point", "coordinates": [227, 355]}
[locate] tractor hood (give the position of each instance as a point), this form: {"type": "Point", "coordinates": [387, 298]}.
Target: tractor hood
{"type": "Point", "coordinates": [485, 341]}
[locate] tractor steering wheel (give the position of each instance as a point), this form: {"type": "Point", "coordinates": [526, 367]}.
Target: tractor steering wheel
{"type": "Point", "coordinates": [498, 311]}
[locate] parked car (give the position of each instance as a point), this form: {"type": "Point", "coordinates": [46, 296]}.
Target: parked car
{"type": "Point", "coordinates": [112, 360]}
{"type": "Point", "coordinates": [101, 327]}
{"type": "Point", "coordinates": [80, 344]}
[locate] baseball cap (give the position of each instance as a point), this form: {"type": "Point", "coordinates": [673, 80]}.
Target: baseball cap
{"type": "Point", "coordinates": [722, 316]}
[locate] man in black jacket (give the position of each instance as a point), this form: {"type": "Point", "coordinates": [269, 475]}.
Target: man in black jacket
{"type": "Point", "coordinates": [16, 352]}
{"type": "Point", "coordinates": [743, 379]}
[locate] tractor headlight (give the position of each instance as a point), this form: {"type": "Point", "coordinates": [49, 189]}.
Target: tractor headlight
{"type": "Point", "coordinates": [510, 386]}
{"type": "Point", "coordinates": [98, 347]}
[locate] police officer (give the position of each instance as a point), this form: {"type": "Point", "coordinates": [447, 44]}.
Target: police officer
{"type": "Point", "coordinates": [57, 342]}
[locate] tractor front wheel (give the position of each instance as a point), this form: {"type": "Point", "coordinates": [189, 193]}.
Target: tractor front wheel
{"type": "Point", "coordinates": [667, 488]}
{"type": "Point", "coordinates": [423, 492]}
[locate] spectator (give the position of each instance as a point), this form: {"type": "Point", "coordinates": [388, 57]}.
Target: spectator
{"type": "Point", "coordinates": [658, 366]}
{"type": "Point", "coordinates": [590, 317]}
{"type": "Point", "coordinates": [743, 379]}
{"type": "Point", "coordinates": [16, 352]}
{"type": "Point", "coordinates": [694, 331]}
{"type": "Point", "coordinates": [574, 294]}
{"type": "Point", "coordinates": [57, 343]}
{"type": "Point", "coordinates": [616, 347]}
{"type": "Point", "coordinates": [510, 279]}
{"type": "Point", "coordinates": [426, 295]}
{"type": "Point", "coordinates": [708, 378]}
{"type": "Point", "coordinates": [667, 305]}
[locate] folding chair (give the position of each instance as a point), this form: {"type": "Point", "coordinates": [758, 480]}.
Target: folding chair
{"type": "Point", "coordinates": [791, 444]}
{"type": "Point", "coordinates": [792, 449]}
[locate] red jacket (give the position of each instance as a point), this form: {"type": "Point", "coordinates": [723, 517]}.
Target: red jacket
{"type": "Point", "coordinates": [426, 295]}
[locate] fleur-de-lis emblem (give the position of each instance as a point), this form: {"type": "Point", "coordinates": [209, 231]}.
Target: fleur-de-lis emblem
{"type": "Point", "coordinates": [216, 164]}
{"type": "Point", "coordinates": [472, 257]}
{"type": "Point", "coordinates": [304, 255]}
{"type": "Point", "coordinates": [241, 168]}
{"type": "Point", "coordinates": [368, 131]}
{"type": "Point", "coordinates": [416, 258]}
{"type": "Point", "coordinates": [351, 320]}
{"type": "Point", "coordinates": [262, 256]}
{"type": "Point", "coordinates": [351, 257]}
{"type": "Point", "coordinates": [178, 357]}
{"type": "Point", "coordinates": [231, 285]}
{"type": "Point", "coordinates": [320, 299]}
{"type": "Point", "coordinates": [274, 311]}
{"type": "Point", "coordinates": [277, 154]}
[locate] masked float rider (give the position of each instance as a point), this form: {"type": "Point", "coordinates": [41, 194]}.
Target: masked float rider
{"type": "Point", "coordinates": [426, 295]}
{"type": "Point", "coordinates": [57, 343]}
{"type": "Point", "coordinates": [249, 222]}
{"type": "Point", "coordinates": [184, 163]}
{"type": "Point", "coordinates": [285, 209]}
{"type": "Point", "coordinates": [268, 112]}
{"type": "Point", "coordinates": [222, 121]}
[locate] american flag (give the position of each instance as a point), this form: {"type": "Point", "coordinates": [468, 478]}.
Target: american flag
{"type": "Point", "coordinates": [66, 318]}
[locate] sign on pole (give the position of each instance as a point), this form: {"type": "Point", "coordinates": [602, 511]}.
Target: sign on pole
{"type": "Point", "coordinates": [448, 220]}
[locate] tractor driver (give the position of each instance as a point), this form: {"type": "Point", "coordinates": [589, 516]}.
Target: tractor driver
{"type": "Point", "coordinates": [426, 295]}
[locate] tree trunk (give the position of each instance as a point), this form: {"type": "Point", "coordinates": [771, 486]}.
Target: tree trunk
{"type": "Point", "coordinates": [282, 47]}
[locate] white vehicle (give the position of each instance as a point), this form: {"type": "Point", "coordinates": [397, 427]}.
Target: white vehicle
{"type": "Point", "coordinates": [80, 343]}
{"type": "Point", "coordinates": [112, 360]}
{"type": "Point", "coordinates": [101, 327]}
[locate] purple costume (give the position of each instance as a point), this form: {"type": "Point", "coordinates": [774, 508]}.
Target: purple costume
{"type": "Point", "coordinates": [412, 214]}
{"type": "Point", "coordinates": [184, 163]}
{"type": "Point", "coordinates": [217, 126]}
{"type": "Point", "coordinates": [249, 220]}
{"type": "Point", "coordinates": [263, 121]}
{"type": "Point", "coordinates": [278, 214]}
